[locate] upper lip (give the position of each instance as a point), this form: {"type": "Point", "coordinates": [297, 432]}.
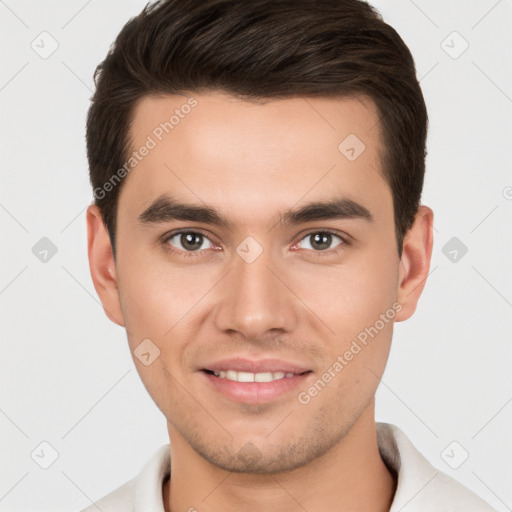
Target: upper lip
{"type": "Point", "coordinates": [256, 366]}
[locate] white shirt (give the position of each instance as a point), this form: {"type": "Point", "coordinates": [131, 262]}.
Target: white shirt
{"type": "Point", "coordinates": [421, 487]}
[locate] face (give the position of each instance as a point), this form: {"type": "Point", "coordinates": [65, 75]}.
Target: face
{"type": "Point", "coordinates": [256, 251]}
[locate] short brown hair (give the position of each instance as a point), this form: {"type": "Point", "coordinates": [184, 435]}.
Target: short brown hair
{"type": "Point", "coordinates": [261, 49]}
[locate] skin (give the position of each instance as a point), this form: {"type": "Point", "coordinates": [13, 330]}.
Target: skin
{"type": "Point", "coordinates": [295, 302]}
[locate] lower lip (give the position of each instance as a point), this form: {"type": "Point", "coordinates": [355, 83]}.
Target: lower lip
{"type": "Point", "coordinates": [256, 392]}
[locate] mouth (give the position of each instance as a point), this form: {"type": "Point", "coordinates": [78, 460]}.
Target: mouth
{"type": "Point", "coordinates": [240, 376]}
{"type": "Point", "coordinates": [255, 382]}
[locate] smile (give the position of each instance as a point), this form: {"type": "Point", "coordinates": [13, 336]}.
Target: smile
{"type": "Point", "coordinates": [252, 377]}
{"type": "Point", "coordinates": [256, 387]}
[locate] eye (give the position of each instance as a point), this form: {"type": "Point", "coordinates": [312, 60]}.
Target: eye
{"type": "Point", "coordinates": [321, 241]}
{"type": "Point", "coordinates": [188, 241]}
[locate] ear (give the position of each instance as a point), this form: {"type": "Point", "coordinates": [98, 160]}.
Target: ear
{"type": "Point", "coordinates": [102, 265]}
{"type": "Point", "coordinates": [415, 262]}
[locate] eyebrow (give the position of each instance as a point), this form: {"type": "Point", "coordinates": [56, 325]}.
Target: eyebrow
{"type": "Point", "coordinates": [165, 209]}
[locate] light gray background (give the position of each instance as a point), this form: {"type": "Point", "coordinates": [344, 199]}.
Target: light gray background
{"type": "Point", "coordinates": [66, 373]}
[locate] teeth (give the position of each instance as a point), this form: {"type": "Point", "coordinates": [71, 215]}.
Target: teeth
{"type": "Point", "coordinates": [252, 377]}
{"type": "Point", "coordinates": [268, 376]}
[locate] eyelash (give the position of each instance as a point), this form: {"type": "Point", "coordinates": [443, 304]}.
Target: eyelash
{"type": "Point", "coordinates": [344, 242]}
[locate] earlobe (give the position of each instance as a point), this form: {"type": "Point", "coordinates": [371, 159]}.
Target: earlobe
{"type": "Point", "coordinates": [415, 262]}
{"type": "Point", "coordinates": [102, 265]}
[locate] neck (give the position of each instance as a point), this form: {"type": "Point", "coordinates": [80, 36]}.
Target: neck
{"type": "Point", "coordinates": [351, 476]}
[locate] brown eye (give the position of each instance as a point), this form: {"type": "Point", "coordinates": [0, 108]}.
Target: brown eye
{"type": "Point", "coordinates": [322, 240]}
{"type": "Point", "coordinates": [188, 241]}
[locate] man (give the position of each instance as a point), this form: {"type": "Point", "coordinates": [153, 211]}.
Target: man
{"type": "Point", "coordinates": [257, 229]}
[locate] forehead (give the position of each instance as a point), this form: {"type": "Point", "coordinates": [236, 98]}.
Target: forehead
{"type": "Point", "coordinates": [253, 156]}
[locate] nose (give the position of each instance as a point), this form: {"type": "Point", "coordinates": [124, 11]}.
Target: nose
{"type": "Point", "coordinates": [256, 298]}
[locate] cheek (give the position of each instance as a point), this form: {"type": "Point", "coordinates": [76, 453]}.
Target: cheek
{"type": "Point", "coordinates": [353, 295]}
{"type": "Point", "coordinates": [155, 294]}
{"type": "Point", "coordinates": [357, 300]}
